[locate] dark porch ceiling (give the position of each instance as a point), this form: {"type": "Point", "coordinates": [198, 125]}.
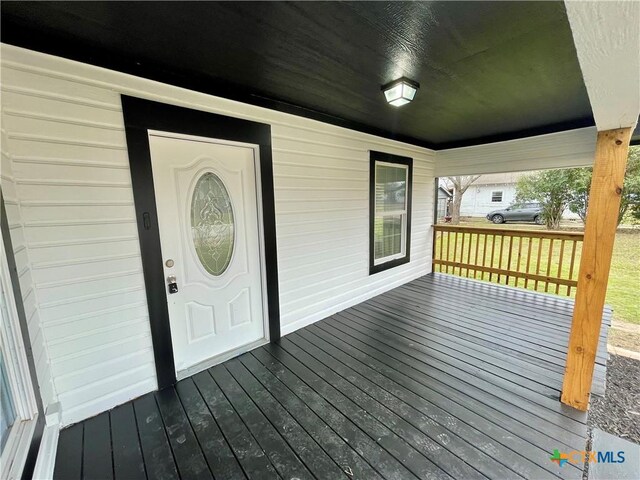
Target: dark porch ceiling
{"type": "Point", "coordinates": [488, 70]}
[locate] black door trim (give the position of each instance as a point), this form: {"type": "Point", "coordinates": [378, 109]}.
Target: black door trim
{"type": "Point", "coordinates": [143, 115]}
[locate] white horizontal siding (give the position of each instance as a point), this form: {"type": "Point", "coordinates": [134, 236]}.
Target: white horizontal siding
{"type": "Point", "coordinates": [323, 237]}
{"type": "Point", "coordinates": [65, 125]}
{"type": "Point", "coordinates": [15, 219]}
{"type": "Point", "coordinates": [72, 179]}
{"type": "Point", "coordinates": [573, 148]}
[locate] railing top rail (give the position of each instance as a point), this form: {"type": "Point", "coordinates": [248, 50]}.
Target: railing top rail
{"type": "Point", "coordinates": [555, 234]}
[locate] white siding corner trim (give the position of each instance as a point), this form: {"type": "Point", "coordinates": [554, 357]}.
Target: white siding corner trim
{"type": "Point", "coordinates": [67, 148]}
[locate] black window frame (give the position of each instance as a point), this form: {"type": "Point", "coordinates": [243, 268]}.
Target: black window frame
{"type": "Point", "coordinates": [375, 157]}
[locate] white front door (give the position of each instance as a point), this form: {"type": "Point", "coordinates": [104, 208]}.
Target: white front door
{"type": "Point", "coordinates": [210, 238]}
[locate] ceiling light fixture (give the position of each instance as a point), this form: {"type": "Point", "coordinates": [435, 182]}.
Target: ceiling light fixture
{"type": "Point", "coordinates": [400, 92]}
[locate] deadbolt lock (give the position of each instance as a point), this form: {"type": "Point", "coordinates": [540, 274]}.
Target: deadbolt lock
{"type": "Point", "coordinates": [172, 284]}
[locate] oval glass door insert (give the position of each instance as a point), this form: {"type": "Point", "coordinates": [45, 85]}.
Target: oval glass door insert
{"type": "Point", "coordinates": [212, 224]}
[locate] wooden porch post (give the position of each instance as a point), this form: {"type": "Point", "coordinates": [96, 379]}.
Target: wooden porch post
{"type": "Point", "coordinates": [612, 147]}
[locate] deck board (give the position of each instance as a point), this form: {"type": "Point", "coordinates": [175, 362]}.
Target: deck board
{"type": "Point", "coordinates": [219, 456]}
{"type": "Point", "coordinates": [332, 442]}
{"type": "Point", "coordinates": [158, 457]}
{"type": "Point", "coordinates": [68, 464]}
{"type": "Point", "coordinates": [244, 446]}
{"type": "Point", "coordinates": [97, 461]}
{"type": "Point", "coordinates": [128, 462]}
{"type": "Point", "coordinates": [440, 378]}
{"type": "Point", "coordinates": [311, 453]}
{"type": "Point", "coordinates": [282, 457]}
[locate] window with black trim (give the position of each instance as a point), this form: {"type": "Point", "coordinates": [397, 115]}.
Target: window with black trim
{"type": "Point", "coordinates": [496, 196]}
{"type": "Point", "coordinates": [390, 210]}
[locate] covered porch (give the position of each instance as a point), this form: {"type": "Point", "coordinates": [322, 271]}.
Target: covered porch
{"type": "Point", "coordinates": [442, 377]}
{"type": "Point", "coordinates": [241, 196]}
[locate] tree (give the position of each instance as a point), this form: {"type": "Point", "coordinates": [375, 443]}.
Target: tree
{"type": "Point", "coordinates": [459, 184]}
{"type": "Point", "coordinates": [578, 204]}
{"type": "Point", "coordinates": [552, 189]}
{"type": "Point", "coordinates": [631, 189]}
{"type": "Point", "coordinates": [630, 199]}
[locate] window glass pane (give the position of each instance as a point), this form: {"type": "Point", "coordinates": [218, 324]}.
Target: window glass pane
{"type": "Point", "coordinates": [391, 188]}
{"type": "Point", "coordinates": [496, 196]}
{"type": "Point", "coordinates": [212, 224]}
{"type": "Point", "coordinates": [388, 236]}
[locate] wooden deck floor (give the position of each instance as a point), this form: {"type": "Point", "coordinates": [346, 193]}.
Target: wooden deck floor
{"type": "Point", "coordinates": [440, 378]}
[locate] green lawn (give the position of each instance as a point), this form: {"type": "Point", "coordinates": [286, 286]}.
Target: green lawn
{"type": "Point", "coordinates": [623, 293]}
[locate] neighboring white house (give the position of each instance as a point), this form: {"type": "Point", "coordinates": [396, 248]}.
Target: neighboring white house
{"type": "Point", "coordinates": [489, 192]}
{"type": "Point", "coordinates": [494, 192]}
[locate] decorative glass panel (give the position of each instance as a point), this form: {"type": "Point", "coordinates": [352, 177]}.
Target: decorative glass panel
{"type": "Point", "coordinates": [212, 224]}
{"type": "Point", "coordinates": [388, 236]}
{"type": "Point", "coordinates": [391, 188]}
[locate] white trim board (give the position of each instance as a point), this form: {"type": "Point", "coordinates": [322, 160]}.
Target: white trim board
{"type": "Point", "coordinates": [47, 454]}
{"type": "Point", "coordinates": [45, 463]}
{"type": "Point", "coordinates": [606, 35]}
{"type": "Point", "coordinates": [572, 148]}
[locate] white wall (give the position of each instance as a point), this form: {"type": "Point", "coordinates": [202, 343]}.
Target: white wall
{"type": "Point", "coordinates": [21, 253]}
{"type": "Point", "coordinates": [67, 147]}
{"type": "Point", "coordinates": [476, 201]}
{"type": "Point", "coordinates": [573, 148]}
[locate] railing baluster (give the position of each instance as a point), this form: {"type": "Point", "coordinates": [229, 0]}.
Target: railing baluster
{"type": "Point", "coordinates": [455, 251]}
{"type": "Point", "coordinates": [493, 247]}
{"type": "Point", "coordinates": [469, 253]}
{"type": "Point", "coordinates": [509, 257]}
{"type": "Point", "coordinates": [448, 243]}
{"type": "Point", "coordinates": [559, 274]}
{"type": "Point", "coordinates": [535, 286]}
{"type": "Point", "coordinates": [461, 256]}
{"type": "Point", "coordinates": [527, 272]}
{"type": "Point", "coordinates": [477, 259]}
{"type": "Point", "coordinates": [500, 256]}
{"type": "Point", "coordinates": [571, 264]}
{"type": "Point", "coordinates": [517, 277]}
{"type": "Point", "coordinates": [549, 261]}
{"type": "Point", "coordinates": [484, 256]}
{"type": "Point", "coordinates": [441, 247]}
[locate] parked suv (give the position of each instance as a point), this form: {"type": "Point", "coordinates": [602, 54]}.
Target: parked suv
{"type": "Point", "coordinates": [522, 212]}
